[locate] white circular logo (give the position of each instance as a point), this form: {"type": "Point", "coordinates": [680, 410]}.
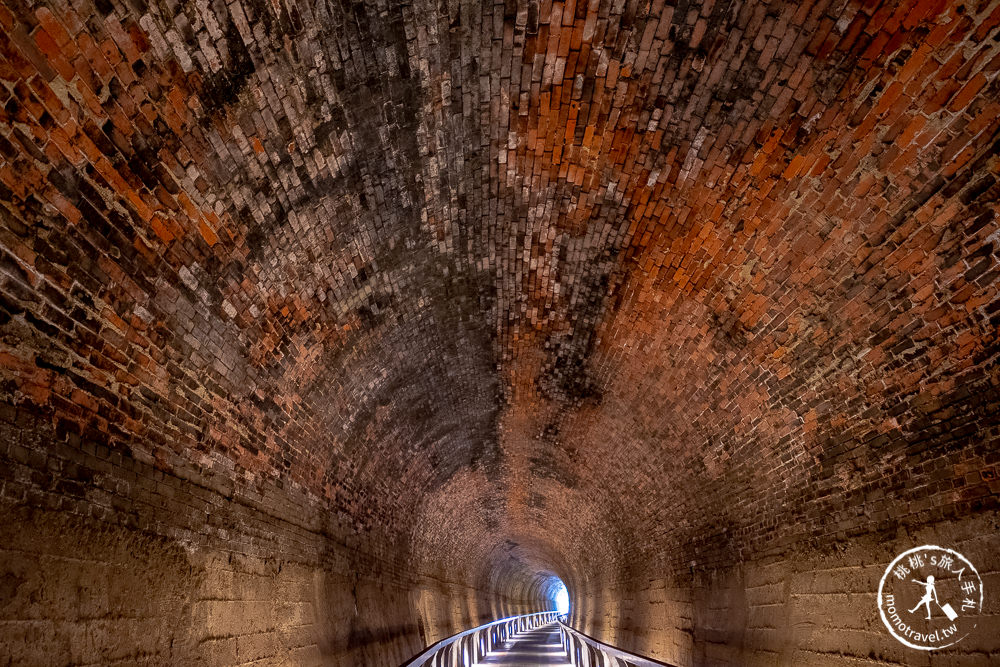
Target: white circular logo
{"type": "Point", "coordinates": [930, 597]}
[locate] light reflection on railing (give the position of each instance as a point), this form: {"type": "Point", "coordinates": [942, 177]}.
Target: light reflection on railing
{"type": "Point", "coordinates": [467, 648]}
{"type": "Point", "coordinates": [584, 651]}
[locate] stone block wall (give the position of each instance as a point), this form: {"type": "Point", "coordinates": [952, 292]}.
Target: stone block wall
{"type": "Point", "coordinates": [795, 607]}
{"type": "Point", "coordinates": [105, 559]}
{"type": "Point", "coordinates": [393, 311]}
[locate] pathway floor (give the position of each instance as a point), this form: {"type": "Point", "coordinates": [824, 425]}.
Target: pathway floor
{"type": "Point", "coordinates": [535, 647]}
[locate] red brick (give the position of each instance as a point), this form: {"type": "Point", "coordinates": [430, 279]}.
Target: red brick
{"type": "Point", "coordinates": [688, 305]}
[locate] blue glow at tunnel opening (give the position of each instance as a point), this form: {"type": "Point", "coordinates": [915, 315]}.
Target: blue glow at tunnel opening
{"type": "Point", "coordinates": [560, 598]}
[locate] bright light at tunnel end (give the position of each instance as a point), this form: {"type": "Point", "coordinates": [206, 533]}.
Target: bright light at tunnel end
{"type": "Point", "coordinates": [561, 598]}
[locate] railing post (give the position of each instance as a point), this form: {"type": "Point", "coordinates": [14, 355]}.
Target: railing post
{"type": "Point", "coordinates": [473, 645]}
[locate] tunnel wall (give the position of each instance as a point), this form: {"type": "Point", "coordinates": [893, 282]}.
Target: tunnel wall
{"type": "Point", "coordinates": [804, 592]}
{"type": "Point", "coordinates": [105, 559]}
{"type": "Point", "coordinates": [795, 607]}
{"type": "Point", "coordinates": [278, 311]}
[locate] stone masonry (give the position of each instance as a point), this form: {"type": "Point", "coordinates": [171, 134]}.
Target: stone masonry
{"type": "Point", "coordinates": [329, 329]}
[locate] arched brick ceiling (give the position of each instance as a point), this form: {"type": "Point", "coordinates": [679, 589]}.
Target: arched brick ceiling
{"type": "Point", "coordinates": [515, 289]}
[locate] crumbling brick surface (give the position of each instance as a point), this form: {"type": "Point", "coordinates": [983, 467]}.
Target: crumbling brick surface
{"type": "Point", "coordinates": [621, 291]}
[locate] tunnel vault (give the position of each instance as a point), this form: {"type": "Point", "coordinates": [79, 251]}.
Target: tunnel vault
{"type": "Point", "coordinates": [339, 327]}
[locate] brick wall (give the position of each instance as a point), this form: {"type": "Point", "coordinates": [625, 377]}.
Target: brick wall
{"type": "Point", "coordinates": [798, 606]}
{"type": "Point", "coordinates": [107, 560]}
{"type": "Point", "coordinates": [428, 295]}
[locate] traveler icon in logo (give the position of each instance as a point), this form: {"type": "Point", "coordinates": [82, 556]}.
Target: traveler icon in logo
{"type": "Point", "coordinates": [930, 593]}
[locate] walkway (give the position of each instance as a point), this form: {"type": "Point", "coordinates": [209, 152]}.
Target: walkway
{"type": "Point", "coordinates": [535, 647]}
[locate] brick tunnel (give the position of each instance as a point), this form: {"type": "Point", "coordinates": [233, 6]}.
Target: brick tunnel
{"type": "Point", "coordinates": [331, 329]}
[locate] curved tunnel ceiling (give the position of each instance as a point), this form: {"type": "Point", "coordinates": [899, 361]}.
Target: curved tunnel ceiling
{"type": "Point", "coordinates": [517, 290]}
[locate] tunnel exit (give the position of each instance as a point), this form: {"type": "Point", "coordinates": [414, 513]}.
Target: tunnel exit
{"type": "Point", "coordinates": [560, 597]}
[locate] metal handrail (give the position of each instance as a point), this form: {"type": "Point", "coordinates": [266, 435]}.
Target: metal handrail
{"type": "Point", "coordinates": [468, 647]}
{"type": "Point", "coordinates": [586, 651]}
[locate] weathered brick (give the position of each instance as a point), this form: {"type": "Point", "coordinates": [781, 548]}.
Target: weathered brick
{"type": "Point", "coordinates": [386, 295]}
